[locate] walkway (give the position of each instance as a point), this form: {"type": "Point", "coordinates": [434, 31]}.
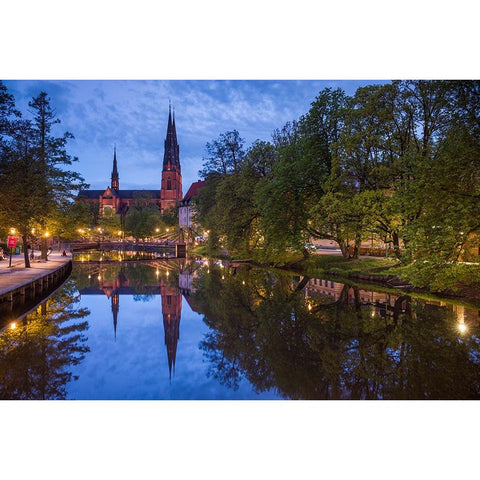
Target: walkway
{"type": "Point", "coordinates": [18, 275]}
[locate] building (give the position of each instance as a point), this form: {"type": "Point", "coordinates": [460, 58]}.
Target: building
{"type": "Point", "coordinates": [186, 212]}
{"type": "Point", "coordinates": [114, 200]}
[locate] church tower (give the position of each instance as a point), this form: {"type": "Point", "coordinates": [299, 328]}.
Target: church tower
{"type": "Point", "coordinates": [115, 179]}
{"type": "Point", "coordinates": [171, 311]}
{"type": "Point", "coordinates": [171, 188]}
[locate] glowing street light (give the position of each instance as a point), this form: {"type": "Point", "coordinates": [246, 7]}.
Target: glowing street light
{"type": "Point", "coordinates": [462, 328]}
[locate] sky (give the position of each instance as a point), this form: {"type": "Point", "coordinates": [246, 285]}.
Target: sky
{"type": "Point", "coordinates": [133, 115]}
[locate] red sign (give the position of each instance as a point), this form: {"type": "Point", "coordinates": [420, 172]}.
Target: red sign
{"type": "Point", "coordinates": [11, 242]}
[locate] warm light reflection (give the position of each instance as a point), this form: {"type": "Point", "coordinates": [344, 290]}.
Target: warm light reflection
{"type": "Point", "coordinates": [309, 307]}
{"type": "Point", "coordinates": [13, 325]}
{"type": "Point", "coordinates": [462, 327]}
{"type": "Point", "coordinates": [12, 231]}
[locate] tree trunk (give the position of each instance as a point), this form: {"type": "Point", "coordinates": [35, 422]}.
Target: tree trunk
{"type": "Point", "coordinates": [396, 245]}
{"type": "Point", "coordinates": [44, 249]}
{"type": "Point", "coordinates": [25, 251]}
{"type": "Point", "coordinates": [358, 241]}
{"type": "Point", "coordinates": [343, 248]}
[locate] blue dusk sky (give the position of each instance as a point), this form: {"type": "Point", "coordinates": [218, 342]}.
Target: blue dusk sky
{"type": "Point", "coordinates": [133, 115]}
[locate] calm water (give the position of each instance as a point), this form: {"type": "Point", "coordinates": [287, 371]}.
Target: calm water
{"type": "Point", "coordinates": [169, 329]}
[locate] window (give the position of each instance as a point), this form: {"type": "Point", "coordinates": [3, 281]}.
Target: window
{"type": "Point", "coordinates": [169, 184]}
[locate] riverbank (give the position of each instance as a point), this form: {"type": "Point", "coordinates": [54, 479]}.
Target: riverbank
{"type": "Point", "coordinates": [455, 281]}
{"type": "Point", "coordinates": [17, 277]}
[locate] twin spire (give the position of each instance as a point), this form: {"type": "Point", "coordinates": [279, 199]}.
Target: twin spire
{"type": "Point", "coordinates": [171, 158]}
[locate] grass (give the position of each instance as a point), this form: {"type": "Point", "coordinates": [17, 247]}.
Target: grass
{"type": "Point", "coordinates": [338, 265]}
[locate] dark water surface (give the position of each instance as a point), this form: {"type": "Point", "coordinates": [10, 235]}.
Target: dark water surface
{"type": "Point", "coordinates": [176, 329]}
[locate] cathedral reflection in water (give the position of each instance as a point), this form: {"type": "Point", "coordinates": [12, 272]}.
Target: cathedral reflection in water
{"type": "Point", "coordinates": [161, 284]}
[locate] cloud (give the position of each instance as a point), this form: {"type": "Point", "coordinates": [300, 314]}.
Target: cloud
{"type": "Point", "coordinates": [133, 115]}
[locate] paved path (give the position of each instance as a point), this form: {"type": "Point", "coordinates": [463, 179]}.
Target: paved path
{"type": "Point", "coordinates": [18, 275]}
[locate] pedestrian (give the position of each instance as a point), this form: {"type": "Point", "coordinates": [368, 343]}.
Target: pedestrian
{"type": "Point", "coordinates": [64, 253]}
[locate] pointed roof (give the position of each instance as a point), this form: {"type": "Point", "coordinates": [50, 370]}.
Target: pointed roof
{"type": "Point", "coordinates": [115, 182]}
{"type": "Point", "coordinates": [171, 156]}
{"type": "Point", "coordinates": [115, 170]}
{"type": "Point", "coordinates": [192, 191]}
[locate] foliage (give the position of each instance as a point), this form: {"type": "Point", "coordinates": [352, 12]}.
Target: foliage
{"type": "Point", "coordinates": [396, 162]}
{"type": "Point", "coordinates": [142, 219]}
{"type": "Point", "coordinates": [36, 186]}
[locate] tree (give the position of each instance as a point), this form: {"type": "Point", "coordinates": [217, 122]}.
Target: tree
{"type": "Point", "coordinates": [34, 183]}
{"type": "Point", "coordinates": [225, 154]}
{"type": "Point", "coordinates": [142, 219]}
{"type": "Point", "coordinates": [51, 156]}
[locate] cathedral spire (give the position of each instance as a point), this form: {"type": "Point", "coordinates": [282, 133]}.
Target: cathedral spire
{"type": "Point", "coordinates": [115, 309]}
{"type": "Point", "coordinates": [171, 158]}
{"type": "Point", "coordinates": [115, 179]}
{"type": "Point", "coordinates": [171, 185]}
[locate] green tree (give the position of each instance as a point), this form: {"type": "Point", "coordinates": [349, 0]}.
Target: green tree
{"type": "Point", "coordinates": [225, 154]}
{"type": "Point", "coordinates": [34, 181]}
{"type": "Point", "coordinates": [142, 219]}
{"type": "Point", "coordinates": [60, 184]}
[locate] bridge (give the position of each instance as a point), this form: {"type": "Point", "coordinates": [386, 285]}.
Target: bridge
{"type": "Point", "coordinates": [176, 248]}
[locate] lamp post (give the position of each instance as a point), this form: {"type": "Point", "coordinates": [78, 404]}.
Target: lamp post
{"type": "Point", "coordinates": [44, 245]}
{"type": "Point", "coordinates": [12, 242]}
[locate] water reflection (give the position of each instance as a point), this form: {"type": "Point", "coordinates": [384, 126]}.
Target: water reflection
{"type": "Point", "coordinates": [234, 331]}
{"type": "Point", "coordinates": [144, 281]}
{"type": "Point", "coordinates": [39, 351]}
{"type": "Point", "coordinates": [319, 339]}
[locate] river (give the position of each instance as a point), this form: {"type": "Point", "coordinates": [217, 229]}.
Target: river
{"type": "Point", "coordinates": [158, 328]}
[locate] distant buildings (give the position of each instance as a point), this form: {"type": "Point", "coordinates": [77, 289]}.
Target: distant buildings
{"type": "Point", "coordinates": [186, 212]}
{"type": "Point", "coordinates": [113, 200]}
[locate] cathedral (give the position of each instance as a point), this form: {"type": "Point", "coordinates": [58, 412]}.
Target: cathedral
{"type": "Point", "coordinates": [114, 200]}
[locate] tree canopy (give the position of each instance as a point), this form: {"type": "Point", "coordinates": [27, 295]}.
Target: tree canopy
{"type": "Point", "coordinates": [398, 162]}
